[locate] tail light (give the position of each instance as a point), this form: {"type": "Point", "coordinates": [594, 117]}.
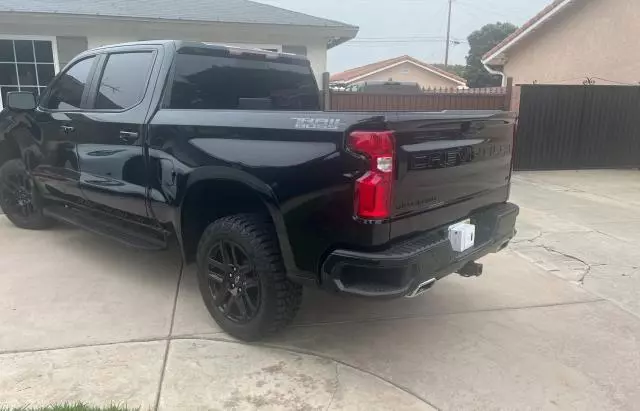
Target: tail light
{"type": "Point", "coordinates": [372, 200]}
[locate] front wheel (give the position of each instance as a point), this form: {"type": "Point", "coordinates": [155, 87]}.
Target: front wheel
{"type": "Point", "coordinates": [19, 197]}
{"type": "Point", "coordinates": [242, 278]}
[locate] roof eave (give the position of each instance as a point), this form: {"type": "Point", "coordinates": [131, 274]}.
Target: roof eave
{"type": "Point", "coordinates": [347, 33]}
{"type": "Point", "coordinates": [498, 57]}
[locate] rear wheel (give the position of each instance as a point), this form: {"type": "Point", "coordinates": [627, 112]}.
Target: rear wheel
{"type": "Point", "coordinates": [19, 197]}
{"type": "Point", "coordinates": [242, 277]}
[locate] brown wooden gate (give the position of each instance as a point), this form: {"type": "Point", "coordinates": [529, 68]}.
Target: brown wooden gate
{"type": "Point", "coordinates": [575, 127]}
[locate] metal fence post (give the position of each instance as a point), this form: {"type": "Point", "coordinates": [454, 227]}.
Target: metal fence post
{"type": "Point", "coordinates": [509, 94]}
{"type": "Point", "coordinates": [326, 91]}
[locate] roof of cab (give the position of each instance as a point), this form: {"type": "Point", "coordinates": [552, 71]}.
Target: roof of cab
{"type": "Point", "coordinates": [181, 45]}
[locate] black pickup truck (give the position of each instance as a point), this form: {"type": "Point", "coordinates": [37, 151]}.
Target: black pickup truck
{"type": "Point", "coordinates": [227, 153]}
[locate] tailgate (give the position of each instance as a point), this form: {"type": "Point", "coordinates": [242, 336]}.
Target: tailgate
{"type": "Point", "coordinates": [449, 166]}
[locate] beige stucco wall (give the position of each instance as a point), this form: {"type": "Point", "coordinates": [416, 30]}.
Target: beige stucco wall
{"type": "Point", "coordinates": [413, 73]}
{"type": "Point", "coordinates": [594, 38]}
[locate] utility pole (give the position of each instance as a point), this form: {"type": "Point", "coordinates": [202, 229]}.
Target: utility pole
{"type": "Point", "coordinates": [446, 55]}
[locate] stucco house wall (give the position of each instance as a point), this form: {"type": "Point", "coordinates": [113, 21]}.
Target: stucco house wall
{"type": "Point", "coordinates": [593, 38]}
{"type": "Point", "coordinates": [412, 73]}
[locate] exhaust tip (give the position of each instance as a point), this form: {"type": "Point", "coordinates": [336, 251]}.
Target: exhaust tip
{"type": "Point", "coordinates": [422, 288]}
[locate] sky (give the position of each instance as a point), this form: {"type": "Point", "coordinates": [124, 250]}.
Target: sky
{"type": "Point", "coordinates": [413, 27]}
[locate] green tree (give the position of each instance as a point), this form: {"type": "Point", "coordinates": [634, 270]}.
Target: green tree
{"type": "Point", "coordinates": [480, 42]}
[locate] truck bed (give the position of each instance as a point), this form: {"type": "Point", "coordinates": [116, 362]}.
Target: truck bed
{"type": "Point", "coordinates": [449, 164]}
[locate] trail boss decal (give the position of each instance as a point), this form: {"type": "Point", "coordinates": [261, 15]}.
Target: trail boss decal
{"type": "Point", "coordinates": [317, 123]}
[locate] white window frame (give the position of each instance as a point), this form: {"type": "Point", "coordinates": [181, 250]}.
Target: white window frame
{"type": "Point", "coordinates": [54, 47]}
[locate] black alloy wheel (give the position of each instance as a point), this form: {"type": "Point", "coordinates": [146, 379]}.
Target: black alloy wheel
{"type": "Point", "coordinates": [242, 278]}
{"type": "Point", "coordinates": [233, 283]}
{"type": "Point", "coordinates": [17, 194]}
{"type": "Point", "coordinates": [19, 197]}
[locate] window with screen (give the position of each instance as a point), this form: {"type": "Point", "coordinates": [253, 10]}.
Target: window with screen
{"type": "Point", "coordinates": [252, 82]}
{"type": "Point", "coordinates": [123, 81]}
{"type": "Point", "coordinates": [66, 93]}
{"type": "Point", "coordinates": [25, 65]}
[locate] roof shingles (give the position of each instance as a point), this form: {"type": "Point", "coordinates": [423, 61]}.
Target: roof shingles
{"type": "Point", "coordinates": [236, 11]}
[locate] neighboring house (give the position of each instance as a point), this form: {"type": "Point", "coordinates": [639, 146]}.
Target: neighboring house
{"type": "Point", "coordinates": [401, 69]}
{"type": "Point", "coordinates": [39, 37]}
{"type": "Point", "coordinates": [573, 41]}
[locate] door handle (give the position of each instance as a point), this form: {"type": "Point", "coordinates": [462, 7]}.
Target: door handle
{"type": "Point", "coordinates": [128, 136]}
{"type": "Point", "coordinates": [67, 129]}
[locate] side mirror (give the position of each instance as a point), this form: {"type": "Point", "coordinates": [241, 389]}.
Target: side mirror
{"type": "Point", "coordinates": [21, 100]}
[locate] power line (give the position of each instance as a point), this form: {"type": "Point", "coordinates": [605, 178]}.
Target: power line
{"type": "Point", "coordinates": [388, 42]}
{"type": "Point", "coordinates": [408, 37]}
{"type": "Point", "coordinates": [410, 40]}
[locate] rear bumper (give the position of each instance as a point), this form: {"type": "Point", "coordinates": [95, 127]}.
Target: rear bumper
{"type": "Point", "coordinates": [398, 270]}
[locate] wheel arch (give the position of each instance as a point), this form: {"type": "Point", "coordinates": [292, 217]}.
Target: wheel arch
{"type": "Point", "coordinates": [215, 192]}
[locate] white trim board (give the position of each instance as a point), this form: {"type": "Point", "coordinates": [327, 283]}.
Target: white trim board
{"type": "Point", "coordinates": [526, 32]}
{"type": "Point", "coordinates": [402, 62]}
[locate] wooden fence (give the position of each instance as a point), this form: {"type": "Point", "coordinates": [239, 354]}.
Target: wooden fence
{"type": "Point", "coordinates": [494, 98]}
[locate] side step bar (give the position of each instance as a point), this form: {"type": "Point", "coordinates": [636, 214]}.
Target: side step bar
{"type": "Point", "coordinates": [115, 229]}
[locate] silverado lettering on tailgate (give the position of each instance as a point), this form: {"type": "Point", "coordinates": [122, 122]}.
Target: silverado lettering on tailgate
{"type": "Point", "coordinates": [458, 156]}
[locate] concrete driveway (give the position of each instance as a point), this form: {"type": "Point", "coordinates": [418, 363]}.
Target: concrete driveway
{"type": "Point", "coordinates": [553, 324]}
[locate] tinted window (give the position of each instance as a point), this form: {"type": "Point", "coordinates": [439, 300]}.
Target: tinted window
{"type": "Point", "coordinates": [124, 80]}
{"type": "Point", "coordinates": [66, 93]}
{"type": "Point", "coordinates": [238, 83]}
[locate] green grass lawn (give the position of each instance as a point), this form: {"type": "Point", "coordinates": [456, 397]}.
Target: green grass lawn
{"type": "Point", "coordinates": [71, 407]}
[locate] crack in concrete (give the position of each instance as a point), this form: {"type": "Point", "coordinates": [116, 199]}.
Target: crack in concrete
{"type": "Point", "coordinates": [588, 266]}
{"type": "Point", "coordinates": [572, 257]}
{"type": "Point", "coordinates": [168, 338]}
{"type": "Point", "coordinates": [335, 391]}
{"type": "Point", "coordinates": [530, 240]}
{"type": "Point", "coordinates": [535, 241]}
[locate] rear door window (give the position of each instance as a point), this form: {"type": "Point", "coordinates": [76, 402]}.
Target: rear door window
{"type": "Point", "coordinates": [124, 80]}
{"type": "Point", "coordinates": [221, 82]}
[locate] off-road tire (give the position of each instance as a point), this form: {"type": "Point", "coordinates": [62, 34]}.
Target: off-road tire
{"type": "Point", "coordinates": [36, 219]}
{"type": "Point", "coordinates": [280, 298]}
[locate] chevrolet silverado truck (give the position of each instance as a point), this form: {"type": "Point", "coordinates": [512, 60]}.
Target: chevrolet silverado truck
{"type": "Point", "coordinates": [226, 153]}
